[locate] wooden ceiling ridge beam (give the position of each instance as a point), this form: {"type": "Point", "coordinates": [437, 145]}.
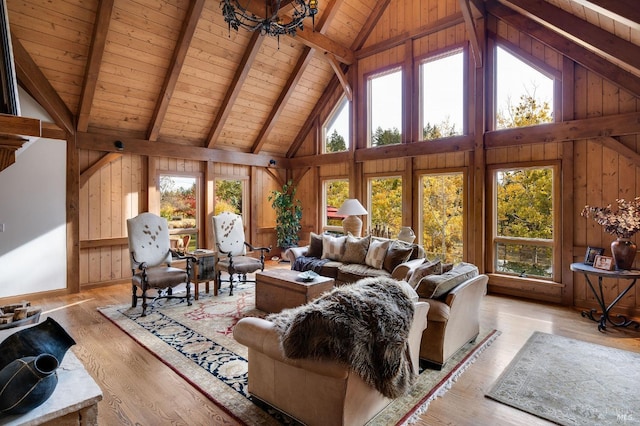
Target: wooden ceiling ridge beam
{"type": "Point", "coordinates": [242, 71]}
{"type": "Point", "coordinates": [99, 164]}
{"type": "Point", "coordinates": [579, 31]}
{"type": "Point", "coordinates": [292, 82]}
{"type": "Point", "coordinates": [587, 128]}
{"type": "Point", "coordinates": [175, 149]}
{"type": "Point", "coordinates": [620, 77]}
{"type": "Point", "coordinates": [33, 80]}
{"type": "Point", "coordinates": [92, 71]}
{"type": "Point", "coordinates": [470, 23]}
{"type": "Point", "coordinates": [624, 11]}
{"type": "Point", "coordinates": [173, 73]}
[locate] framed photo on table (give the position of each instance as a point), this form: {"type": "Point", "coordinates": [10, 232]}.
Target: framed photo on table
{"type": "Point", "coordinates": [603, 262]}
{"type": "Point", "coordinates": [591, 254]}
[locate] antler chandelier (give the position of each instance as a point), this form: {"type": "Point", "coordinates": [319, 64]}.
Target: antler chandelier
{"type": "Point", "coordinates": [238, 16]}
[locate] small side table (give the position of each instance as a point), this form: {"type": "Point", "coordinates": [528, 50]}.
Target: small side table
{"type": "Point", "coordinates": [620, 320]}
{"type": "Point", "coordinates": [204, 270]}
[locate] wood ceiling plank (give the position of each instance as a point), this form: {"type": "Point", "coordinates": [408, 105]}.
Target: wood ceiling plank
{"type": "Point", "coordinates": [175, 68]}
{"type": "Point", "coordinates": [96, 52]}
{"type": "Point", "coordinates": [625, 11]}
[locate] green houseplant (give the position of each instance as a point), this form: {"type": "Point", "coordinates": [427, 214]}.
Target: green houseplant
{"type": "Point", "coordinates": [288, 215]}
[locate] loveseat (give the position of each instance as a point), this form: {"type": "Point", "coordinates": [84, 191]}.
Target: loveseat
{"type": "Point", "coordinates": [454, 297]}
{"type": "Point", "coordinates": [348, 259]}
{"type": "Point", "coordinates": [315, 392]}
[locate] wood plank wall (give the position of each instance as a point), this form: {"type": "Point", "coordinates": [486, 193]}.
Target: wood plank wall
{"type": "Point", "coordinates": [600, 175]}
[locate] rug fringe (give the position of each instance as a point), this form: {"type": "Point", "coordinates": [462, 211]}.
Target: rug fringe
{"type": "Point", "coordinates": [446, 385]}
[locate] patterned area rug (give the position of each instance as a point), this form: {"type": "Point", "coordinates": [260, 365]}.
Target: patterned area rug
{"type": "Point", "coordinates": [197, 342]}
{"type": "Point", "coordinates": [571, 382]}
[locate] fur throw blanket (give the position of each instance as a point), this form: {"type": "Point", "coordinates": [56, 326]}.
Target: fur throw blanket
{"type": "Point", "coordinates": [364, 325]}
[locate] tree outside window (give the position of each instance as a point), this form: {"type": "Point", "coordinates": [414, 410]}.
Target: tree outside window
{"type": "Point", "coordinates": [524, 226]}
{"type": "Point", "coordinates": [228, 196]}
{"type": "Point", "coordinates": [385, 204]}
{"type": "Point", "coordinates": [442, 218]}
{"type": "Point", "coordinates": [385, 108]}
{"type": "Point", "coordinates": [336, 191]}
{"type": "Point", "coordinates": [336, 130]}
{"type": "Point", "coordinates": [178, 204]}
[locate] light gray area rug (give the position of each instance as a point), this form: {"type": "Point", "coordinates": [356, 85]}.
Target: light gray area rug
{"type": "Point", "coordinates": [571, 382]}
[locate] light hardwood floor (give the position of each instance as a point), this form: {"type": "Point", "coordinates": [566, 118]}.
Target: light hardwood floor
{"type": "Point", "coordinates": [140, 390]}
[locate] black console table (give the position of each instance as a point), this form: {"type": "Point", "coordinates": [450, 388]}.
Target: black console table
{"type": "Point", "coordinates": [619, 320]}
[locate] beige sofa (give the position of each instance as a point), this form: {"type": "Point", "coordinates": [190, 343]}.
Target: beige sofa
{"type": "Point", "coordinates": [314, 392]}
{"type": "Point", "coordinates": [454, 298]}
{"type": "Point", "coordinates": [345, 267]}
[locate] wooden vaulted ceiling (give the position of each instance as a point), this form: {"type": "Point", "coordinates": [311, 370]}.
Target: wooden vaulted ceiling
{"type": "Point", "coordinates": [171, 72]}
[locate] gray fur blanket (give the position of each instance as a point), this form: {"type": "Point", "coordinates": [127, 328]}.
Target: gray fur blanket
{"type": "Point", "coordinates": [364, 325]}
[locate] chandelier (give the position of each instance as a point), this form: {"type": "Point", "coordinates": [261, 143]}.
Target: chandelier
{"type": "Point", "coordinates": [238, 16]}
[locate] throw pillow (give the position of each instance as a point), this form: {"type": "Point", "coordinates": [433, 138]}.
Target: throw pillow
{"type": "Point", "coordinates": [396, 254]}
{"type": "Point", "coordinates": [356, 249]}
{"type": "Point", "coordinates": [333, 247]}
{"type": "Point", "coordinates": [376, 253]}
{"type": "Point", "coordinates": [315, 245]}
{"type": "Point", "coordinates": [435, 286]}
{"type": "Point", "coordinates": [427, 268]}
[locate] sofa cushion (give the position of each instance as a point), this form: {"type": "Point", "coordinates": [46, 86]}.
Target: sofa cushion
{"type": "Point", "coordinates": [355, 249]}
{"type": "Point", "coordinates": [330, 269]}
{"type": "Point", "coordinates": [435, 286]}
{"type": "Point", "coordinates": [427, 268]}
{"type": "Point", "coordinates": [315, 245]}
{"type": "Point", "coordinates": [352, 272]}
{"type": "Point", "coordinates": [376, 253]}
{"type": "Point", "coordinates": [333, 247]}
{"type": "Point", "coordinates": [396, 254]}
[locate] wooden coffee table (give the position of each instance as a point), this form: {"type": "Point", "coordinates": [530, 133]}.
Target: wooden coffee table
{"type": "Point", "coordinates": [279, 289]}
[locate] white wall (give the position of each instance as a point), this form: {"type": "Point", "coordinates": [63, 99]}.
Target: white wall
{"type": "Point", "coordinates": [33, 256]}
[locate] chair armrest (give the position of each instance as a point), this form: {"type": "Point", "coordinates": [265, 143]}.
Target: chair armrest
{"type": "Point", "coordinates": [401, 272]}
{"type": "Point", "coordinates": [252, 248]}
{"type": "Point", "coordinates": [469, 292]}
{"type": "Point", "coordinates": [295, 252]}
{"type": "Point", "coordinates": [260, 335]}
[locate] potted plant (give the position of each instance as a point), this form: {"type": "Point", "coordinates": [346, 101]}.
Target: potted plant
{"type": "Point", "coordinates": [288, 215]}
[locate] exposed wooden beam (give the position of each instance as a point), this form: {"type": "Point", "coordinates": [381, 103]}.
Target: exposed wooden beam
{"type": "Point", "coordinates": [620, 148]}
{"type": "Point", "coordinates": [281, 102]}
{"type": "Point", "coordinates": [588, 128]}
{"type": "Point", "coordinates": [469, 22]}
{"type": "Point", "coordinates": [579, 31]}
{"type": "Point", "coordinates": [342, 78]}
{"type": "Point", "coordinates": [22, 126]}
{"type": "Point", "coordinates": [242, 71]}
{"type": "Point", "coordinates": [103, 161]}
{"type": "Point", "coordinates": [32, 79]}
{"type": "Point", "coordinates": [452, 144]}
{"type": "Point", "coordinates": [96, 51]}
{"type": "Point", "coordinates": [319, 160]}
{"type": "Point", "coordinates": [275, 176]}
{"type": "Point", "coordinates": [620, 77]}
{"type": "Point", "coordinates": [177, 61]}
{"type": "Point", "coordinates": [623, 11]}
{"type": "Point", "coordinates": [175, 149]}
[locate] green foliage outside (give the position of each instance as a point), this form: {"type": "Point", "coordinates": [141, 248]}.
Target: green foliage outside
{"type": "Point", "coordinates": [528, 112]}
{"type": "Point", "coordinates": [386, 137]}
{"type": "Point", "coordinates": [288, 215]}
{"type": "Point", "coordinates": [177, 205]}
{"type": "Point", "coordinates": [442, 216]}
{"type": "Point", "coordinates": [386, 204]}
{"type": "Point", "coordinates": [442, 130]}
{"type": "Point", "coordinates": [337, 193]}
{"type": "Point", "coordinates": [228, 196]}
{"type": "Point", "coordinates": [336, 143]}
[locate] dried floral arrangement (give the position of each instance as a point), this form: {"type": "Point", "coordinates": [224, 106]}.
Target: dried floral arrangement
{"type": "Point", "coordinates": [623, 223]}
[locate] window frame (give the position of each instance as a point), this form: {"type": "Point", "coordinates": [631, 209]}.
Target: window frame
{"type": "Point", "coordinates": [369, 196]}
{"type": "Point", "coordinates": [323, 204]}
{"type": "Point", "coordinates": [492, 217]}
{"type": "Point", "coordinates": [198, 176]}
{"type": "Point", "coordinates": [335, 112]}
{"type": "Point", "coordinates": [244, 180]}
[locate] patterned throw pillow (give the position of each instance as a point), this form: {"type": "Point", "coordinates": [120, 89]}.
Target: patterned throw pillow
{"type": "Point", "coordinates": [333, 247]}
{"type": "Point", "coordinates": [427, 268]}
{"type": "Point", "coordinates": [396, 254]}
{"type": "Point", "coordinates": [356, 249]}
{"type": "Point", "coordinates": [315, 245]}
{"type": "Point", "coordinates": [376, 253]}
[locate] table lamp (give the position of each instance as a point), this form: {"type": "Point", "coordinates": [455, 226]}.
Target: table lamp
{"type": "Point", "coordinates": [352, 208]}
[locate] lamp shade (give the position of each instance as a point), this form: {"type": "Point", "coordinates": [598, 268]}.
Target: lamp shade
{"type": "Point", "coordinates": [351, 207]}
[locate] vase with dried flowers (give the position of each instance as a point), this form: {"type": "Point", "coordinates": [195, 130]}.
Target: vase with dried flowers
{"type": "Point", "coordinates": [623, 223]}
